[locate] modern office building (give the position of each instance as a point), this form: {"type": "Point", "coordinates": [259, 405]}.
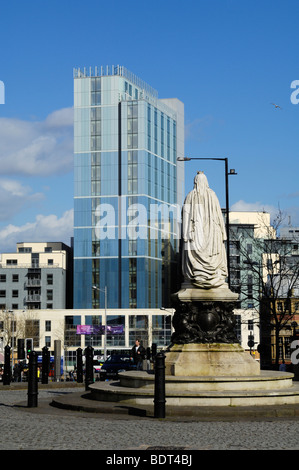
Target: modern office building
{"type": "Point", "coordinates": [37, 276]}
{"type": "Point", "coordinates": [129, 189]}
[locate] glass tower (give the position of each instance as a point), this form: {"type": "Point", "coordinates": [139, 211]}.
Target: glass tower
{"type": "Point", "coordinates": [128, 193]}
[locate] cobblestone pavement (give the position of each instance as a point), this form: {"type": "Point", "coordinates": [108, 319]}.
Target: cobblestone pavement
{"type": "Point", "coordinates": [49, 428]}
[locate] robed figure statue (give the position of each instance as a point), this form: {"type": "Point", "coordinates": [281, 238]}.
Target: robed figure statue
{"type": "Point", "coordinates": [204, 261]}
{"type": "Point", "coordinates": [204, 305]}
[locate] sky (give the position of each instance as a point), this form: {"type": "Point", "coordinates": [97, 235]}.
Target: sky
{"type": "Point", "coordinates": [228, 61]}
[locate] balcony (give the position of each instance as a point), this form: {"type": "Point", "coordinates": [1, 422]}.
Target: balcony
{"type": "Point", "coordinates": [33, 283]}
{"type": "Point", "coordinates": [33, 298]}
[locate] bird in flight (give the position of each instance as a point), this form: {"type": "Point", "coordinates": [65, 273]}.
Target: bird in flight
{"type": "Point", "coordinates": [276, 105]}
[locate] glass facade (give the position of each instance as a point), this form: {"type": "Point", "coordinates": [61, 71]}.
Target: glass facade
{"type": "Point", "coordinates": [128, 191]}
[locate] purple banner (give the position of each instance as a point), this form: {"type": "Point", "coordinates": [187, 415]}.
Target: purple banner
{"type": "Point", "coordinates": [99, 329]}
{"type": "Point", "coordinates": [115, 330]}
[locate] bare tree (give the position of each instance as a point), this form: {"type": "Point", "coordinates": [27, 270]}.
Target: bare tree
{"type": "Point", "coordinates": [269, 278]}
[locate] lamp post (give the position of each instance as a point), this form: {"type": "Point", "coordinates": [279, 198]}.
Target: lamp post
{"type": "Point", "coordinates": [227, 173]}
{"type": "Point", "coordinates": [105, 317]}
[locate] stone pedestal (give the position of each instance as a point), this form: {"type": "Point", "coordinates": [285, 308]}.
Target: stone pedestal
{"type": "Point", "coordinates": [212, 359]}
{"type": "Point", "coordinates": [204, 342]}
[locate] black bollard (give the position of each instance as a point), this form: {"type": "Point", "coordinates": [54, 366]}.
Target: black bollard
{"type": "Point", "coordinates": [32, 380]}
{"type": "Point", "coordinates": [159, 400]}
{"type": "Point", "coordinates": [79, 366]}
{"type": "Point", "coordinates": [7, 371]}
{"type": "Point", "coordinates": [88, 366]}
{"type": "Point", "coordinates": [45, 364]}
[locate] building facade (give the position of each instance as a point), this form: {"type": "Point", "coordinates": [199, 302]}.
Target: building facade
{"type": "Point", "coordinates": [248, 232]}
{"type": "Point", "coordinates": [37, 276]}
{"type": "Point", "coordinates": [151, 326]}
{"type": "Point", "coordinates": [129, 189]}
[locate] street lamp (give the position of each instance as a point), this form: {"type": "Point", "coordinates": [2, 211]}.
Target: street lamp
{"type": "Point", "coordinates": [227, 173]}
{"type": "Point", "coordinates": [105, 317]}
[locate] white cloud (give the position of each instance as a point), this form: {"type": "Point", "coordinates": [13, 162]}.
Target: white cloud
{"type": "Point", "coordinates": [37, 148]}
{"type": "Point", "coordinates": [290, 214]}
{"type": "Point", "coordinates": [44, 228]}
{"type": "Point", "coordinates": [199, 129]}
{"type": "Point", "coordinates": [253, 207]}
{"type": "Point", "coordinates": [14, 197]}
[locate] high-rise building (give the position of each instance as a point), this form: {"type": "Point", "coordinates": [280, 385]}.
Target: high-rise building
{"type": "Point", "coordinates": [129, 189]}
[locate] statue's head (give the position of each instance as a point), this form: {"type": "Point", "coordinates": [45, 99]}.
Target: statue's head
{"type": "Point", "coordinates": [201, 181]}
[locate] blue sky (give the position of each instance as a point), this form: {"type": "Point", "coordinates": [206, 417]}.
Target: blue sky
{"type": "Point", "coordinates": [227, 60]}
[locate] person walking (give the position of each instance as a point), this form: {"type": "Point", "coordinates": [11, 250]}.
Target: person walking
{"type": "Point", "coordinates": [138, 354]}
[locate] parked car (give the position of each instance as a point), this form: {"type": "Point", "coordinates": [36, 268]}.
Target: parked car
{"type": "Point", "coordinates": [115, 364]}
{"type": "Point", "coordinates": [98, 361]}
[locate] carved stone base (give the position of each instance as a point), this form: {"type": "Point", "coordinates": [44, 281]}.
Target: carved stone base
{"type": "Point", "coordinates": [195, 360]}
{"type": "Point", "coordinates": [204, 322]}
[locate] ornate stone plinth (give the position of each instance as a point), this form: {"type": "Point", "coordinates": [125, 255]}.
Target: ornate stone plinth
{"type": "Point", "coordinates": [204, 316]}
{"type": "Point", "coordinates": [204, 342]}
{"type": "Point", "coordinates": [212, 359]}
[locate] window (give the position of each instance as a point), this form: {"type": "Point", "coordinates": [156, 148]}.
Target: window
{"type": "Point", "coordinates": [70, 330]}
{"type": "Point", "coordinates": [15, 293]}
{"type": "Point", "coordinates": [12, 262]}
{"type": "Point", "coordinates": [15, 278]}
{"type": "Point", "coordinates": [250, 325]}
{"type": "Point", "coordinates": [48, 341]}
{"type": "Point", "coordinates": [49, 279]}
{"type": "Point", "coordinates": [2, 293]}
{"type": "Point", "coordinates": [2, 277]}
{"type": "Point", "coordinates": [25, 250]}
{"type": "Point", "coordinates": [138, 328]}
{"type": "Point", "coordinates": [132, 124]}
{"type": "Point", "coordinates": [161, 329]}
{"type": "Point", "coordinates": [93, 340]}
{"type": "Point", "coordinates": [249, 248]}
{"type": "Point", "coordinates": [95, 91]}
{"type": "Point", "coordinates": [49, 294]}
{"type": "Point", "coordinates": [116, 339]}
{"type": "Point", "coordinates": [50, 262]}
{"type": "Point", "coordinates": [132, 283]}
{"type": "Point", "coordinates": [48, 325]}
{"type": "Point", "coordinates": [32, 331]}
{"type": "Point", "coordinates": [35, 260]}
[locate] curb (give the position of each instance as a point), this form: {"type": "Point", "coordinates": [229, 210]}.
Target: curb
{"type": "Point", "coordinates": [79, 401]}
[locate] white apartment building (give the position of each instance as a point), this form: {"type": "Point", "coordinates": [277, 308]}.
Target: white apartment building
{"type": "Point", "coordinates": [36, 276]}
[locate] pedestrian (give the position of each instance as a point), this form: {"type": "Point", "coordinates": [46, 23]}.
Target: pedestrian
{"type": "Point", "coordinates": [282, 366]}
{"type": "Point", "coordinates": [17, 372]}
{"type": "Point", "coordinates": [138, 354]}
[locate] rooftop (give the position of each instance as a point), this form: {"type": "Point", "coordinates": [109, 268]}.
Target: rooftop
{"type": "Point", "coordinates": [114, 70]}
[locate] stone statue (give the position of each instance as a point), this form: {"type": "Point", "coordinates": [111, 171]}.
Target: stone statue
{"type": "Point", "coordinates": [204, 305]}
{"type": "Point", "coordinates": [204, 261]}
